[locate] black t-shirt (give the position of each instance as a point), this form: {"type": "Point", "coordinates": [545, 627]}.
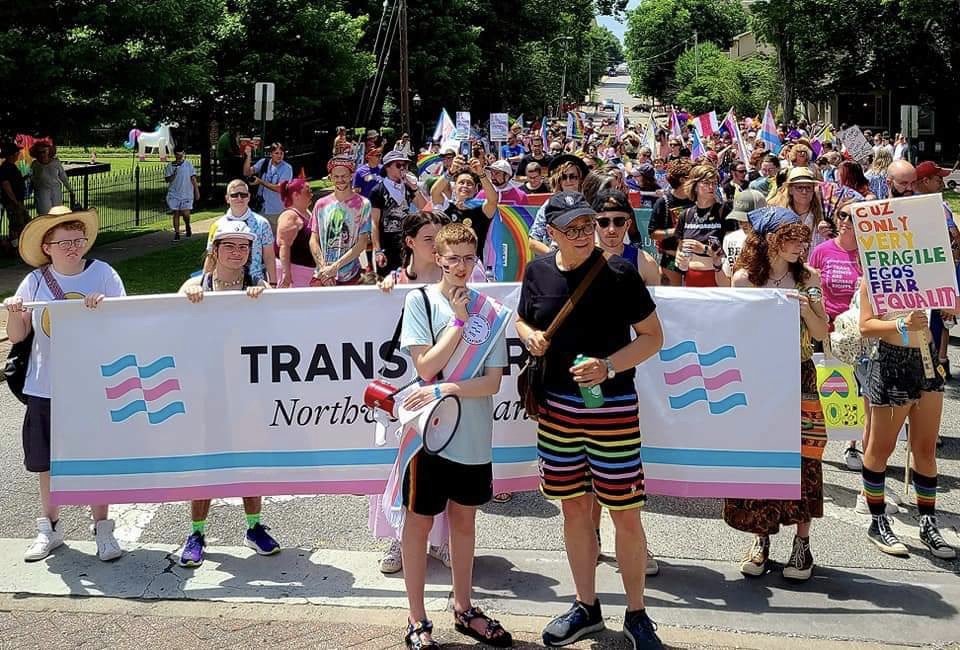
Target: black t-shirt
{"type": "Point", "coordinates": [543, 189]}
{"type": "Point", "coordinates": [390, 222]}
{"type": "Point", "coordinates": [666, 213]}
{"type": "Point", "coordinates": [600, 323]}
{"type": "Point", "coordinates": [526, 160]}
{"type": "Point", "coordinates": [701, 224]}
{"type": "Point", "coordinates": [474, 218]}
{"type": "Point", "coordinates": [11, 173]}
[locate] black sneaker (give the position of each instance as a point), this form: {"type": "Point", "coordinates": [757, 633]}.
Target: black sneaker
{"type": "Point", "coordinates": [800, 566]}
{"type": "Point", "coordinates": [189, 231]}
{"type": "Point", "coordinates": [930, 535]}
{"type": "Point", "coordinates": [881, 534]}
{"type": "Point", "coordinates": [578, 621]}
{"type": "Point", "coordinates": [641, 631]}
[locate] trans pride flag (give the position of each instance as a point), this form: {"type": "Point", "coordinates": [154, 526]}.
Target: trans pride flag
{"type": "Point", "coordinates": [768, 131]}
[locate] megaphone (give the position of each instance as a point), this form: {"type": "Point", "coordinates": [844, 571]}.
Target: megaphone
{"type": "Point", "coordinates": [381, 398]}
{"type": "Point", "coordinates": [436, 422]}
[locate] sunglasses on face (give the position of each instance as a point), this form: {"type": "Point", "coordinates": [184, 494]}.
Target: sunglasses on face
{"type": "Point", "coordinates": [618, 222]}
{"type": "Point", "coordinates": [803, 188]}
{"type": "Point", "coordinates": [239, 195]}
{"type": "Point", "coordinates": [570, 177]}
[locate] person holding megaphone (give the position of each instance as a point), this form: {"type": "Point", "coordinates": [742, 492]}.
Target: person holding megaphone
{"type": "Point", "coordinates": [456, 338]}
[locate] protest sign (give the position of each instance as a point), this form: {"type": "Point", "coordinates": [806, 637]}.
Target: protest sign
{"type": "Point", "coordinates": [463, 125]}
{"type": "Point", "coordinates": [905, 253]}
{"type": "Point", "coordinates": [499, 127]}
{"type": "Point", "coordinates": [856, 143]}
{"type": "Point", "coordinates": [273, 409]}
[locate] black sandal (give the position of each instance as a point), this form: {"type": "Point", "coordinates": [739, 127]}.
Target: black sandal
{"type": "Point", "coordinates": [413, 638]}
{"type": "Point", "coordinates": [489, 636]}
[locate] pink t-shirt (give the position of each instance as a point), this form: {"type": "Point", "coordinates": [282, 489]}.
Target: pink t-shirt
{"type": "Point", "coordinates": [838, 275]}
{"type": "Point", "coordinates": [511, 196]}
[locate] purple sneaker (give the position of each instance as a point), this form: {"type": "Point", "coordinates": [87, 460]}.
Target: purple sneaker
{"type": "Point", "coordinates": [192, 554]}
{"type": "Point", "coordinates": [260, 540]}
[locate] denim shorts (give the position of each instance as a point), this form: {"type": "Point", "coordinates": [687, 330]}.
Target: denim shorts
{"type": "Point", "coordinates": [896, 377]}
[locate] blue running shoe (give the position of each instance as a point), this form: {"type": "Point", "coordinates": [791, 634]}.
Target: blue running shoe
{"type": "Point", "coordinates": [260, 540]}
{"type": "Point", "coordinates": [641, 631]}
{"type": "Point", "coordinates": [578, 621]}
{"type": "Point", "coordinates": [192, 553]}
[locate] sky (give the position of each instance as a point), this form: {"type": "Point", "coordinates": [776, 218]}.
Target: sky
{"type": "Point", "coordinates": [617, 28]}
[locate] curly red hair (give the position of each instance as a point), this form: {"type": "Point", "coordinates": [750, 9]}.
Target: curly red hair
{"type": "Point", "coordinates": [756, 253]}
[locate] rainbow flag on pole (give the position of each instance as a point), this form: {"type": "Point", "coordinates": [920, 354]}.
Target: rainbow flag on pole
{"type": "Point", "coordinates": [510, 241]}
{"type": "Point", "coordinates": [429, 163]}
{"type": "Point", "coordinates": [575, 127]}
{"type": "Point", "coordinates": [768, 131]}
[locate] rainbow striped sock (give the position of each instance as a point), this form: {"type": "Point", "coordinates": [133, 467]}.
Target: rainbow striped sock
{"type": "Point", "coordinates": [873, 483]}
{"type": "Point", "coordinates": [926, 489]}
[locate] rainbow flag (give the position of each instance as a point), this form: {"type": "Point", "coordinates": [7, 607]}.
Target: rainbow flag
{"type": "Point", "coordinates": [768, 132]}
{"type": "Point", "coordinates": [575, 127]}
{"type": "Point", "coordinates": [510, 241]}
{"type": "Point", "coordinates": [429, 163]}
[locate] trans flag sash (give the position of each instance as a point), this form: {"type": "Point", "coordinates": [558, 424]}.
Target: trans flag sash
{"type": "Point", "coordinates": [487, 321]}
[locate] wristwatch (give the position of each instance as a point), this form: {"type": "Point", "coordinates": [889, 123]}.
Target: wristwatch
{"type": "Point", "coordinates": [611, 373]}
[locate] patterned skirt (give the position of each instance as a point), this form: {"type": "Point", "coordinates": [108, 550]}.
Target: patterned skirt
{"type": "Point", "coordinates": [764, 517]}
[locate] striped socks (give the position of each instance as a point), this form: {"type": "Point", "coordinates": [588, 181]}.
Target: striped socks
{"type": "Point", "coordinates": [873, 483]}
{"type": "Point", "coordinates": [926, 489]}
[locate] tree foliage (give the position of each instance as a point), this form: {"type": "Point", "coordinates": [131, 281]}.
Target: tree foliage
{"type": "Point", "coordinates": [658, 32]}
{"type": "Point", "coordinates": [711, 80]}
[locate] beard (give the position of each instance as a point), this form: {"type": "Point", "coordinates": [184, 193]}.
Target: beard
{"type": "Point", "coordinates": [897, 194]}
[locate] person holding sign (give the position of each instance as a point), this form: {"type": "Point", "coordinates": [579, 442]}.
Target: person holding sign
{"type": "Point", "coordinates": [772, 258]}
{"type": "Point", "coordinates": [588, 435]}
{"type": "Point", "coordinates": [232, 244]}
{"type": "Point", "coordinates": [457, 340]}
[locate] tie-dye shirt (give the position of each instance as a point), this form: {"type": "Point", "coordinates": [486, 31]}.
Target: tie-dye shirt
{"type": "Point", "coordinates": [339, 226]}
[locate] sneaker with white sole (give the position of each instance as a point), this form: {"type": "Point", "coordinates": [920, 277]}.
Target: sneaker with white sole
{"type": "Point", "coordinates": [653, 567]}
{"type": "Point", "coordinates": [754, 563]}
{"type": "Point", "coordinates": [853, 459]}
{"type": "Point", "coordinates": [890, 506]}
{"type": "Point", "coordinates": [441, 553]}
{"type": "Point", "coordinates": [881, 533]}
{"type": "Point", "coordinates": [800, 565]}
{"type": "Point", "coordinates": [108, 548]}
{"type": "Point", "coordinates": [393, 560]}
{"type": "Point", "coordinates": [47, 539]}
{"type": "Point", "coordinates": [930, 535]}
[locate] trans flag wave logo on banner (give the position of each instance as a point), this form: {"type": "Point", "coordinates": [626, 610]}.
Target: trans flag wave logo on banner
{"type": "Point", "coordinates": [131, 395]}
{"type": "Point", "coordinates": [715, 380]}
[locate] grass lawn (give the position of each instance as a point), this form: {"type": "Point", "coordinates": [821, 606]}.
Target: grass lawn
{"type": "Point", "coordinates": [953, 199]}
{"type": "Point", "coordinates": [163, 271]}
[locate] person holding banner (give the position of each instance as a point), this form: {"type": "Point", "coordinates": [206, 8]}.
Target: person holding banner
{"type": "Point", "coordinates": [55, 245]}
{"type": "Point", "coordinates": [587, 452]}
{"type": "Point", "coordinates": [772, 258]}
{"type": "Point", "coordinates": [898, 388]}
{"type": "Point", "coordinates": [232, 242]}
{"type": "Point", "coordinates": [456, 338]}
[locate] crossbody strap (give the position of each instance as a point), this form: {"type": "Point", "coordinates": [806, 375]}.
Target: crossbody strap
{"type": "Point", "coordinates": [575, 298]}
{"type": "Point", "coordinates": [429, 308]}
{"type": "Point", "coordinates": [52, 283]}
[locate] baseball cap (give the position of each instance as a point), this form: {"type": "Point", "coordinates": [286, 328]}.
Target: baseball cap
{"type": "Point", "coordinates": [644, 169]}
{"type": "Point", "coordinates": [928, 168]}
{"type": "Point", "coordinates": [564, 207]}
{"type": "Point", "coordinates": [610, 200]}
{"type": "Point", "coordinates": [501, 166]}
{"type": "Point", "coordinates": [746, 201]}
{"type": "Point", "coordinates": [231, 228]}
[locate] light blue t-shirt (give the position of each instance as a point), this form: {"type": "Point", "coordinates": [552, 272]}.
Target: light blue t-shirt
{"type": "Point", "coordinates": [275, 174]}
{"type": "Point", "coordinates": [473, 442]}
{"type": "Point", "coordinates": [181, 188]}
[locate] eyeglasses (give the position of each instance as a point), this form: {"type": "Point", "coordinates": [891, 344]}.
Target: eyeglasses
{"type": "Point", "coordinates": [844, 216]}
{"type": "Point", "coordinates": [457, 260]}
{"type": "Point", "coordinates": [67, 244]}
{"type": "Point", "coordinates": [618, 222]}
{"type": "Point", "coordinates": [239, 195]}
{"type": "Point", "coordinates": [740, 171]}
{"type": "Point", "coordinates": [569, 177]}
{"type": "Point", "coordinates": [674, 144]}
{"type": "Point", "coordinates": [803, 188]}
{"type": "Point", "coordinates": [229, 247]}
{"type": "Point", "coordinates": [580, 231]}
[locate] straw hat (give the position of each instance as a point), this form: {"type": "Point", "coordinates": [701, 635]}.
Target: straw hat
{"type": "Point", "coordinates": [799, 175]}
{"type": "Point", "coordinates": [31, 239]}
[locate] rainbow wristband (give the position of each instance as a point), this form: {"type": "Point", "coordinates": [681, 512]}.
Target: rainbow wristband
{"type": "Point", "coordinates": [902, 328]}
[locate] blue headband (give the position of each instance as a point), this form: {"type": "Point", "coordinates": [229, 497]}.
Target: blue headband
{"type": "Point", "coordinates": [769, 219]}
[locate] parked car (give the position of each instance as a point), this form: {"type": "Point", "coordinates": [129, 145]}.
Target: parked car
{"type": "Point", "coordinates": [953, 180]}
{"type": "Point", "coordinates": [608, 105]}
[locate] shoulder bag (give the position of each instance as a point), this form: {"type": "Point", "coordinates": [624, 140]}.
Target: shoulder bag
{"type": "Point", "coordinates": [530, 381]}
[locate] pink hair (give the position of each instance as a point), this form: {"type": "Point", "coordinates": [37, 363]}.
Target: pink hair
{"type": "Point", "coordinates": [289, 189]}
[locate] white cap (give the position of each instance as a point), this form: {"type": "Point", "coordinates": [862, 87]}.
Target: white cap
{"type": "Point", "coordinates": [233, 228]}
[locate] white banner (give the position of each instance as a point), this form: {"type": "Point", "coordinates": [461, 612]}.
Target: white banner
{"type": "Point", "coordinates": [463, 125]}
{"type": "Point", "coordinates": [499, 127]}
{"type": "Point", "coordinates": [158, 399]}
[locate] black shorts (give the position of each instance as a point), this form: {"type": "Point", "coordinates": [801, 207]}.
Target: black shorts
{"type": "Point", "coordinates": [430, 481]}
{"type": "Point", "coordinates": [896, 376]}
{"type": "Point", "coordinates": [36, 434]}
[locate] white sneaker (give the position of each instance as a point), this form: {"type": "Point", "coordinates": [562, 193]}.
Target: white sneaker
{"type": "Point", "coordinates": [441, 553]}
{"type": "Point", "coordinates": [107, 546]}
{"type": "Point", "coordinates": [393, 560]}
{"type": "Point", "coordinates": [853, 459]}
{"type": "Point", "coordinates": [653, 567]}
{"type": "Point", "coordinates": [863, 509]}
{"type": "Point", "coordinates": [47, 540]}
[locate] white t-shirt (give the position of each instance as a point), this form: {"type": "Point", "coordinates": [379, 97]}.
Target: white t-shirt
{"type": "Point", "coordinates": [99, 277]}
{"type": "Point", "coordinates": [732, 245]}
{"type": "Point", "coordinates": [181, 187]}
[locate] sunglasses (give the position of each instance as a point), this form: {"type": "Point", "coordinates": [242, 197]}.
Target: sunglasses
{"type": "Point", "coordinates": [618, 222]}
{"type": "Point", "coordinates": [569, 177]}
{"type": "Point", "coordinates": [239, 195]}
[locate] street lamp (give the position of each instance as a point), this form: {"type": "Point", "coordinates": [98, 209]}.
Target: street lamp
{"type": "Point", "coordinates": [563, 78]}
{"type": "Point", "coordinates": [416, 109]}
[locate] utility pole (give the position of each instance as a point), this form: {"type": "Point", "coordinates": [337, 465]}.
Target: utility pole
{"type": "Point", "coordinates": [563, 78]}
{"type": "Point", "coordinates": [696, 58]}
{"type": "Point", "coordinates": [404, 71]}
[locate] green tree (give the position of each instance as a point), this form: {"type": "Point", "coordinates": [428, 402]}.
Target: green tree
{"type": "Point", "coordinates": [707, 79]}
{"type": "Point", "coordinates": [658, 32]}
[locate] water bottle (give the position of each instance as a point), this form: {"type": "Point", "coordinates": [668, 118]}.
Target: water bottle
{"type": "Point", "coordinates": [593, 396]}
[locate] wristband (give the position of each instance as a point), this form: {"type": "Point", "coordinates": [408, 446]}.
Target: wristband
{"type": "Point", "coordinates": [436, 391]}
{"type": "Point", "coordinates": [456, 322]}
{"type": "Point", "coordinates": [902, 328]}
{"type": "Point", "coordinates": [379, 250]}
